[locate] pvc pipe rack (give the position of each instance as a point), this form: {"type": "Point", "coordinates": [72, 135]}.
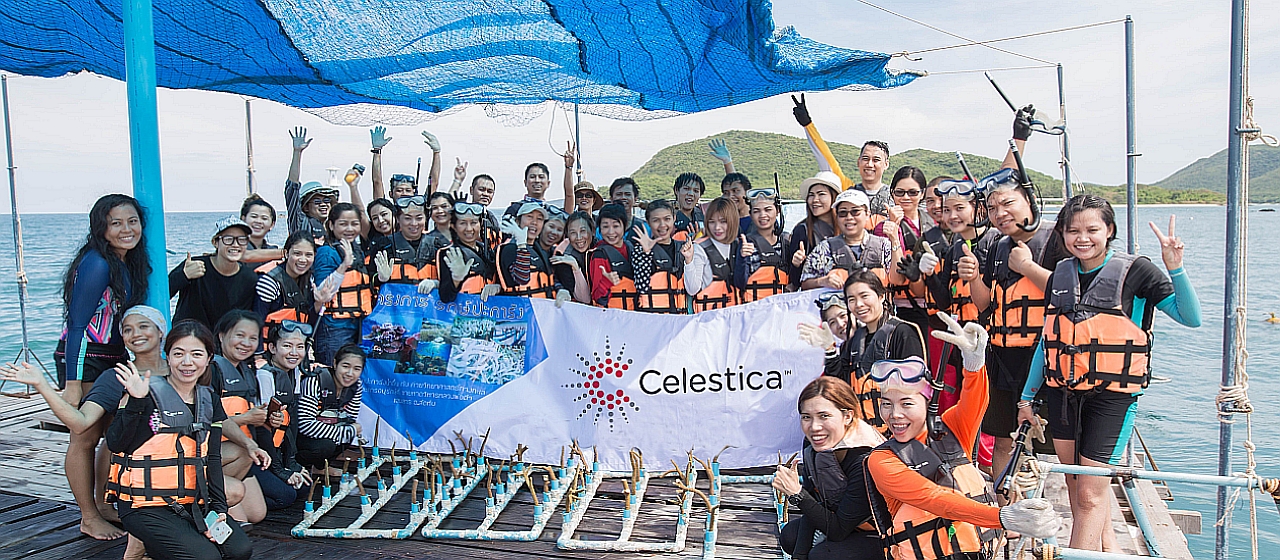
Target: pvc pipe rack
{"type": "Point", "coordinates": [630, 512]}
{"type": "Point", "coordinates": [504, 493]}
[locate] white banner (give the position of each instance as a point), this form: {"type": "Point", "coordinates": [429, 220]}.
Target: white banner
{"type": "Point", "coordinates": [665, 384]}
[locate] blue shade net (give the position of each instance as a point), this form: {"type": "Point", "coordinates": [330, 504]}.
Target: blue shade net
{"type": "Point", "coordinates": [358, 61]}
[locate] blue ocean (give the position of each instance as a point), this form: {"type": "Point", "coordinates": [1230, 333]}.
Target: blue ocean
{"type": "Point", "coordinates": [1176, 418]}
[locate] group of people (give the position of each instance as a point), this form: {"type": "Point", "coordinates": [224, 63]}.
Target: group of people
{"type": "Point", "coordinates": [263, 359]}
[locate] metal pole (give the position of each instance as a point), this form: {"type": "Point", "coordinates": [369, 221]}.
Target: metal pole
{"type": "Point", "coordinates": [1131, 128]}
{"type": "Point", "coordinates": [17, 225]}
{"type": "Point", "coordinates": [248, 143]}
{"type": "Point", "coordinates": [1066, 144]}
{"type": "Point", "coordinates": [577, 144]}
{"type": "Point", "coordinates": [144, 141]}
{"type": "Point", "coordinates": [1232, 288]}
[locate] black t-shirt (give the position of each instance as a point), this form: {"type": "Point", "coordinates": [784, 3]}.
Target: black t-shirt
{"type": "Point", "coordinates": [1145, 280]}
{"type": "Point", "coordinates": [209, 297]}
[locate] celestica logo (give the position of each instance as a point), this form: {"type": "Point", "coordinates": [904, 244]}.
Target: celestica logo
{"type": "Point", "coordinates": [599, 389]}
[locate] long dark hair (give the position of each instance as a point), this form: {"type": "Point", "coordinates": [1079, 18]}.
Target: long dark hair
{"type": "Point", "coordinates": [132, 271]}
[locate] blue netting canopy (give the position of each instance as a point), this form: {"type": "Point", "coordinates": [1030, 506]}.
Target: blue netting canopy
{"type": "Point", "coordinates": [660, 56]}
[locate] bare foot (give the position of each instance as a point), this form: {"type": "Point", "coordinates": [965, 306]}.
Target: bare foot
{"type": "Point", "coordinates": [135, 550]}
{"type": "Point", "coordinates": [98, 528]}
{"type": "Point", "coordinates": [109, 513]}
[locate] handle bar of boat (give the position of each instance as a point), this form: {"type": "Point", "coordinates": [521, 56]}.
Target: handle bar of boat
{"type": "Point", "coordinates": [1144, 474]}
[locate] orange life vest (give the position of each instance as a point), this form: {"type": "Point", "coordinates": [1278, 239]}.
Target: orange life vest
{"type": "Point", "coordinates": [623, 294]}
{"type": "Point", "coordinates": [298, 301]}
{"type": "Point", "coordinates": [720, 293]}
{"type": "Point", "coordinates": [1017, 304]}
{"type": "Point", "coordinates": [541, 283]}
{"type": "Point", "coordinates": [239, 390]}
{"type": "Point", "coordinates": [355, 297]}
{"type": "Point", "coordinates": [1088, 340]}
{"type": "Point", "coordinates": [482, 270]}
{"type": "Point", "coordinates": [771, 277]}
{"type": "Point", "coordinates": [169, 468]}
{"type": "Point", "coordinates": [666, 287]}
{"type": "Point", "coordinates": [912, 533]}
{"type": "Point", "coordinates": [410, 265]}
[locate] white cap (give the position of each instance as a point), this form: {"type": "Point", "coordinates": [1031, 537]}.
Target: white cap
{"type": "Point", "coordinates": [822, 178]}
{"type": "Point", "coordinates": [854, 197]}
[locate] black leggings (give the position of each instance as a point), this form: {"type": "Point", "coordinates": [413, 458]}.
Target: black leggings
{"type": "Point", "coordinates": [313, 452]}
{"type": "Point", "coordinates": [796, 539]}
{"type": "Point", "coordinates": [170, 537]}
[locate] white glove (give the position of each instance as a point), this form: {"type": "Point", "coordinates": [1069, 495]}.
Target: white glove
{"type": "Point", "coordinates": [928, 262]}
{"type": "Point", "coordinates": [431, 140]}
{"type": "Point", "coordinates": [518, 234]}
{"type": "Point", "coordinates": [425, 286]}
{"type": "Point", "coordinates": [970, 340]}
{"type": "Point", "coordinates": [489, 290]}
{"type": "Point", "coordinates": [459, 265]}
{"type": "Point", "coordinates": [1032, 517]}
{"type": "Point", "coordinates": [817, 336]}
{"type": "Point", "coordinates": [562, 295]}
{"type": "Point", "coordinates": [383, 264]}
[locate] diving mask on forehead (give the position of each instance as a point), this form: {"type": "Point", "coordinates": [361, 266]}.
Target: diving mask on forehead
{"type": "Point", "coordinates": [911, 375]}
{"type": "Point", "coordinates": [1007, 177]}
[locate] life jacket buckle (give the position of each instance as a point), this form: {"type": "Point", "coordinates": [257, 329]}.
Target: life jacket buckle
{"type": "Point", "coordinates": [1071, 349]}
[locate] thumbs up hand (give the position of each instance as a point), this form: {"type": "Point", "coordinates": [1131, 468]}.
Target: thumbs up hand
{"type": "Point", "coordinates": [1020, 258]}
{"type": "Point", "coordinates": [967, 267]}
{"type": "Point", "coordinates": [797, 259]}
{"type": "Point", "coordinates": [748, 248]}
{"type": "Point", "coordinates": [192, 269]}
{"type": "Point", "coordinates": [928, 261]}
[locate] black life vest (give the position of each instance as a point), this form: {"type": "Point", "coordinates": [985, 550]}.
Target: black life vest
{"type": "Point", "coordinates": [297, 299]}
{"type": "Point", "coordinates": [771, 277]}
{"type": "Point", "coordinates": [861, 355]}
{"type": "Point", "coordinates": [235, 382]}
{"type": "Point", "coordinates": [333, 401]}
{"type": "Point", "coordinates": [875, 251]}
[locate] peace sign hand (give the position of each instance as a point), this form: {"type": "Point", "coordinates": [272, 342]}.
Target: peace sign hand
{"type": "Point", "coordinates": [569, 158]}
{"type": "Point", "coordinates": [460, 170]}
{"type": "Point", "coordinates": [138, 385]}
{"type": "Point", "coordinates": [1171, 246]}
{"type": "Point", "coordinates": [686, 251]}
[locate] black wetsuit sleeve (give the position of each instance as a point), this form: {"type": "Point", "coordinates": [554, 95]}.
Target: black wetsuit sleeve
{"type": "Point", "coordinates": [939, 284]}
{"type": "Point", "coordinates": [840, 365]}
{"type": "Point", "coordinates": [905, 342]}
{"type": "Point", "coordinates": [132, 425]}
{"type": "Point", "coordinates": [178, 281]}
{"type": "Point", "coordinates": [854, 507]}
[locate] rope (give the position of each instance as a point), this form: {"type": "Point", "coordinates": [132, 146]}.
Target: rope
{"type": "Point", "coordinates": [977, 70]}
{"type": "Point", "coordinates": [907, 54]}
{"type": "Point", "coordinates": [957, 36]}
{"type": "Point", "coordinates": [1254, 131]}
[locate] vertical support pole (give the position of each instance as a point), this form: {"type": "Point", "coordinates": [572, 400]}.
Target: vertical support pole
{"type": "Point", "coordinates": [1232, 282]}
{"type": "Point", "coordinates": [144, 141]}
{"type": "Point", "coordinates": [17, 224]}
{"type": "Point", "coordinates": [1066, 143]}
{"type": "Point", "coordinates": [248, 146]}
{"type": "Point", "coordinates": [577, 145]}
{"type": "Point", "coordinates": [1131, 154]}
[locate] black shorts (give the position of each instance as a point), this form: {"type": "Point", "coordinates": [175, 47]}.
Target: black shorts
{"type": "Point", "coordinates": [1103, 418]}
{"type": "Point", "coordinates": [1001, 418]}
{"type": "Point", "coordinates": [97, 359]}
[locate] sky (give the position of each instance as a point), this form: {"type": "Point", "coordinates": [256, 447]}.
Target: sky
{"type": "Point", "coordinates": [71, 139]}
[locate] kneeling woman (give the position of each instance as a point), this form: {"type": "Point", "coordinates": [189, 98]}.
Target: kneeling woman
{"type": "Point", "coordinates": [328, 404]}
{"type": "Point", "coordinates": [286, 345]}
{"type": "Point", "coordinates": [174, 419]}
{"type": "Point", "coordinates": [929, 500]}
{"type": "Point", "coordinates": [833, 498]}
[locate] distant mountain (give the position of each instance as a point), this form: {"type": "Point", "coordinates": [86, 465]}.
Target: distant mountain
{"type": "Point", "coordinates": [1211, 173]}
{"type": "Point", "coordinates": [761, 154]}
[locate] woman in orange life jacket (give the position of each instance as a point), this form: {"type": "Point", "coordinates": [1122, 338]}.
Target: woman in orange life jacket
{"type": "Point", "coordinates": [159, 414]}
{"type": "Point", "coordinates": [412, 251]}
{"type": "Point", "coordinates": [286, 345]}
{"type": "Point", "coordinates": [1094, 350]}
{"type": "Point", "coordinates": [878, 336]}
{"type": "Point", "coordinates": [761, 269]}
{"type": "Point", "coordinates": [658, 263]}
{"type": "Point", "coordinates": [328, 405]}
{"type": "Point", "coordinates": [906, 189]}
{"type": "Point", "coordinates": [819, 220]}
{"type": "Point", "coordinates": [466, 266]}
{"type": "Point", "coordinates": [577, 244]}
{"type": "Point", "coordinates": [612, 276]}
{"type": "Point", "coordinates": [289, 292]}
{"type": "Point", "coordinates": [854, 248]}
{"type": "Point", "coordinates": [928, 500]}
{"type": "Point", "coordinates": [833, 497]}
{"type": "Point", "coordinates": [234, 380]}
{"type": "Point", "coordinates": [524, 262]}
{"type": "Point", "coordinates": [709, 263]}
{"type": "Point", "coordinates": [261, 217]}
{"type": "Point", "coordinates": [341, 262]}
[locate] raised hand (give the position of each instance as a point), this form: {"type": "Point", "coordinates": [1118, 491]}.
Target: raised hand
{"type": "Point", "coordinates": [1171, 247]}
{"type": "Point", "coordinates": [300, 140]}
{"type": "Point", "coordinates": [459, 265]}
{"type": "Point", "coordinates": [817, 336]}
{"type": "Point", "coordinates": [797, 259]}
{"type": "Point", "coordinates": [459, 170]}
{"type": "Point", "coordinates": [562, 246]}
{"type": "Point", "coordinates": [383, 264]}
{"type": "Point", "coordinates": [23, 373]}
{"type": "Point", "coordinates": [326, 291]}
{"type": "Point", "coordinates": [971, 340]}
{"type": "Point", "coordinates": [430, 139]}
{"type": "Point", "coordinates": [565, 260]}
{"type": "Point", "coordinates": [967, 267]}
{"type": "Point", "coordinates": [787, 480]}
{"type": "Point", "coordinates": [518, 233]}
{"type": "Point", "coordinates": [378, 137]}
{"type": "Point", "coordinates": [748, 248]}
{"type": "Point", "coordinates": [720, 151]}
{"type": "Point", "coordinates": [569, 157]}
{"type": "Point", "coordinates": [1022, 123]}
{"type": "Point", "coordinates": [643, 238]}
{"type": "Point", "coordinates": [348, 253]}
{"type": "Point", "coordinates": [612, 277]}
{"type": "Point", "coordinates": [801, 111]}
{"type": "Point", "coordinates": [895, 214]}
{"type": "Point", "coordinates": [1020, 258]}
{"type": "Point", "coordinates": [192, 268]}
{"type": "Point", "coordinates": [137, 385]}
{"type": "Point", "coordinates": [686, 251]}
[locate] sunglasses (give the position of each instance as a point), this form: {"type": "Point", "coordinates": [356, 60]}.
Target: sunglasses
{"type": "Point", "coordinates": [765, 192]}
{"type": "Point", "coordinates": [402, 178]}
{"type": "Point", "coordinates": [321, 199]}
{"type": "Point", "coordinates": [462, 208]}
{"type": "Point", "coordinates": [906, 192]}
{"type": "Point", "coordinates": [960, 188]}
{"type": "Point", "coordinates": [849, 213]}
{"type": "Point", "coordinates": [294, 326]}
{"type": "Point", "coordinates": [826, 301]}
{"type": "Point", "coordinates": [583, 194]}
{"type": "Point", "coordinates": [230, 240]}
{"type": "Point", "coordinates": [407, 201]}
{"type": "Point", "coordinates": [910, 370]}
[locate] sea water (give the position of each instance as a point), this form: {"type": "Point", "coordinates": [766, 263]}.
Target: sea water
{"type": "Point", "coordinates": [1176, 418]}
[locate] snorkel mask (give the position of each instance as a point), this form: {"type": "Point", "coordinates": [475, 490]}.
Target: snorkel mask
{"type": "Point", "coordinates": [912, 376]}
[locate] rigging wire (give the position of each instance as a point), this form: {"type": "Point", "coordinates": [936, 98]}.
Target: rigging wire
{"type": "Point", "coordinates": [909, 54]}
{"type": "Point", "coordinates": [1002, 69]}
{"type": "Point", "coordinates": [957, 36]}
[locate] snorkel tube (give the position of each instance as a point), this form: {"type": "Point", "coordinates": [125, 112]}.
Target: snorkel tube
{"type": "Point", "coordinates": [1033, 194]}
{"type": "Point", "coordinates": [933, 419]}
{"type": "Point", "coordinates": [979, 201]}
